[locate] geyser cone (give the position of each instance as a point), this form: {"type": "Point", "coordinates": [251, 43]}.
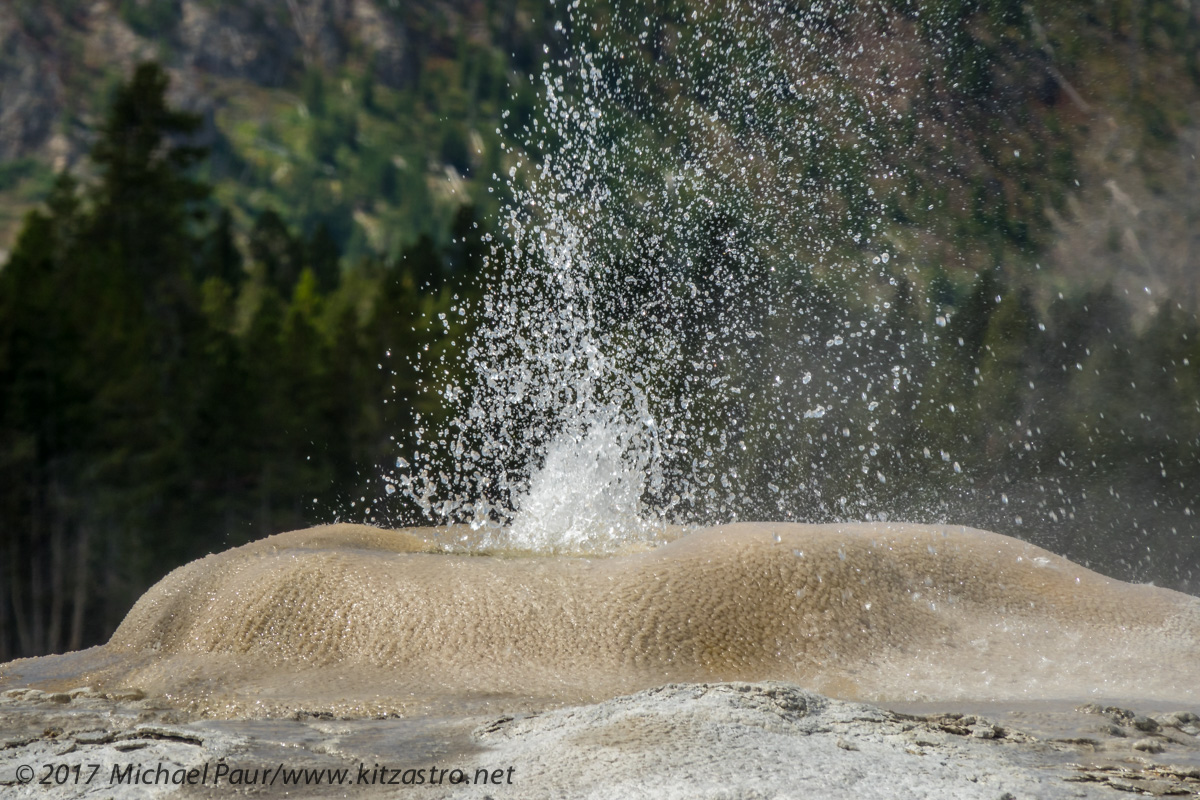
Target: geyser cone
{"type": "Point", "coordinates": [360, 621]}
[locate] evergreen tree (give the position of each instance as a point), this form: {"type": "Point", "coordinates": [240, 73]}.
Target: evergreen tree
{"type": "Point", "coordinates": [147, 202]}
{"type": "Point", "coordinates": [221, 257]}
{"type": "Point", "coordinates": [42, 415]}
{"type": "Point", "coordinates": [96, 362]}
{"type": "Point", "coordinates": [324, 258]}
{"type": "Point", "coordinates": [278, 253]}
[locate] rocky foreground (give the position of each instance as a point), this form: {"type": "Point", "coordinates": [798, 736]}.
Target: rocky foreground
{"type": "Point", "coordinates": [726, 740]}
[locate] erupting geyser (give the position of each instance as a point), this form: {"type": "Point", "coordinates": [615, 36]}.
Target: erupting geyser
{"type": "Point", "coordinates": [628, 365]}
{"type": "Point", "coordinates": [645, 362]}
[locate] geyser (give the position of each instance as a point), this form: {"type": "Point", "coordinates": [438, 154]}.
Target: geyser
{"type": "Point", "coordinates": [704, 306]}
{"type": "Point", "coordinates": [645, 360]}
{"type": "Point", "coordinates": [634, 335]}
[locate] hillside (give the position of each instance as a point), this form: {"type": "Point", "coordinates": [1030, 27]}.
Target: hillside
{"type": "Point", "coordinates": [1068, 141]}
{"type": "Point", "coordinates": [377, 119]}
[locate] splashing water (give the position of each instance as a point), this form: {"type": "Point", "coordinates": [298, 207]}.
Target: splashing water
{"type": "Point", "coordinates": [587, 496]}
{"type": "Point", "coordinates": [700, 305]}
{"type": "Point", "coordinates": [648, 242]}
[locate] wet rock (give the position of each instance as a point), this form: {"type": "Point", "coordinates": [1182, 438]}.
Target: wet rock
{"type": "Point", "coordinates": [95, 737]}
{"type": "Point", "coordinates": [1177, 719]}
{"type": "Point", "coordinates": [1146, 724]}
{"type": "Point", "coordinates": [836, 750]}
{"type": "Point", "coordinates": [1120, 716]}
{"type": "Point", "coordinates": [985, 732]}
{"type": "Point", "coordinates": [1178, 771]}
{"type": "Point", "coordinates": [1147, 745]}
{"type": "Point", "coordinates": [735, 740]}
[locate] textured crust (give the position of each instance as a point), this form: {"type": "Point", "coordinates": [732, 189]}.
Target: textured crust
{"type": "Point", "coordinates": [365, 620]}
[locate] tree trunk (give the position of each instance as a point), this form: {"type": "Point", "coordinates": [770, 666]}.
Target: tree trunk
{"type": "Point", "coordinates": [79, 601]}
{"type": "Point", "coordinates": [58, 566]}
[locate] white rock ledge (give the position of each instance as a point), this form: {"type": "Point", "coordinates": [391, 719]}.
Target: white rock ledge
{"type": "Point", "coordinates": [715, 740]}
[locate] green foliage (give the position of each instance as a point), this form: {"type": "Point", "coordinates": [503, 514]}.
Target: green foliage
{"type": "Point", "coordinates": [323, 259]}
{"type": "Point", "coordinates": [1065, 425]}
{"type": "Point", "coordinates": [164, 393]}
{"type": "Point", "coordinates": [277, 252]}
{"type": "Point", "coordinates": [146, 203]}
{"type": "Point", "coordinates": [454, 151]}
{"type": "Point", "coordinates": [151, 17]}
{"type": "Point", "coordinates": [220, 257]}
{"type": "Point", "coordinates": [13, 172]}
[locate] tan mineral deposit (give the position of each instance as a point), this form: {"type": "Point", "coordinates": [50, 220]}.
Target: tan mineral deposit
{"type": "Point", "coordinates": [556, 663]}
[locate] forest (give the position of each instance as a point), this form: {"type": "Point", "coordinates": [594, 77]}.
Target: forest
{"type": "Point", "coordinates": [166, 395]}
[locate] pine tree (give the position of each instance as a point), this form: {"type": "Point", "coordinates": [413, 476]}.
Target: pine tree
{"type": "Point", "coordinates": [277, 252]}
{"type": "Point", "coordinates": [96, 369]}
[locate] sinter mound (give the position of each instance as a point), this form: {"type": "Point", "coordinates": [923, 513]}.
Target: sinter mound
{"type": "Point", "coordinates": [357, 620]}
